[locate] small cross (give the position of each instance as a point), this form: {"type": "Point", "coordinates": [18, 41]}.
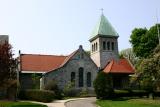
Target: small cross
{"type": "Point", "coordinates": [102, 10]}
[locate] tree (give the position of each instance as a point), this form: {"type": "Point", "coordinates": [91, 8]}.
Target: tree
{"type": "Point", "coordinates": [144, 41]}
{"type": "Point", "coordinates": [149, 71]}
{"type": "Point", "coordinates": [7, 66]}
{"type": "Point", "coordinates": [103, 86]}
{"type": "Point", "coordinates": [128, 53]}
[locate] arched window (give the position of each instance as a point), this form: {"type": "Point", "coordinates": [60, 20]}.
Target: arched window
{"type": "Point", "coordinates": [96, 46]}
{"type": "Point", "coordinates": [112, 45]}
{"type": "Point", "coordinates": [89, 79]}
{"type": "Point", "coordinates": [104, 45]}
{"type": "Point", "coordinates": [108, 45]}
{"type": "Point", "coordinates": [81, 77]}
{"type": "Point", "coordinates": [73, 76]}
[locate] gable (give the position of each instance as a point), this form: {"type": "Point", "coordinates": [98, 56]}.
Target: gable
{"type": "Point", "coordinates": [81, 57]}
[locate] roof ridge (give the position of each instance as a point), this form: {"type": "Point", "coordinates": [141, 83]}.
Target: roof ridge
{"type": "Point", "coordinates": [100, 23]}
{"type": "Point", "coordinates": [65, 60]}
{"type": "Point", "coordinates": [112, 62]}
{"type": "Point", "coordinates": [130, 63]}
{"type": "Point", "coordinates": [68, 57]}
{"type": "Point", "coordinates": [45, 55]}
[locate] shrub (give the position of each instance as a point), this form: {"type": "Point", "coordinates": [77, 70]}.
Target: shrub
{"type": "Point", "coordinates": [69, 90]}
{"type": "Point", "coordinates": [52, 86]}
{"type": "Point", "coordinates": [37, 95]}
{"type": "Point", "coordinates": [103, 86]}
{"type": "Point", "coordinates": [84, 93]}
{"type": "Point", "coordinates": [130, 93]}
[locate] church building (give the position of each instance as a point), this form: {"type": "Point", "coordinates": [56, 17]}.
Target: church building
{"type": "Point", "coordinates": [79, 67]}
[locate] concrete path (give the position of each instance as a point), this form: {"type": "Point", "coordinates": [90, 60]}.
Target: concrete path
{"type": "Point", "coordinates": [68, 102]}
{"type": "Point", "coordinates": [88, 102]}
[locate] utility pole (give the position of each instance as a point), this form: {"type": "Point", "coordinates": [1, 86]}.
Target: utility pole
{"type": "Point", "coordinates": [158, 27]}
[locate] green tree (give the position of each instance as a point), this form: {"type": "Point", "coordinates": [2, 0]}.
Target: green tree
{"type": "Point", "coordinates": [103, 85]}
{"type": "Point", "coordinates": [149, 71]}
{"type": "Point", "coordinates": [144, 41]}
{"type": "Point", "coordinates": [128, 53]}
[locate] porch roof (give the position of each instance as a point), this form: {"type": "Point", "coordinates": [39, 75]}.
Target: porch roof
{"type": "Point", "coordinates": [121, 66]}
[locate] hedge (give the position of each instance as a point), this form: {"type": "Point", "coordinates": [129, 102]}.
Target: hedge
{"type": "Point", "coordinates": [130, 93]}
{"type": "Point", "coordinates": [37, 95]}
{"type": "Point", "coordinates": [121, 93]}
{"type": "Point", "coordinates": [139, 93]}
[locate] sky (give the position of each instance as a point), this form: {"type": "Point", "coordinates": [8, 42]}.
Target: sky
{"type": "Point", "coordinates": [59, 26]}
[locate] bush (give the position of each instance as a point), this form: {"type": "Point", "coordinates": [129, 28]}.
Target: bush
{"type": "Point", "coordinates": [52, 86]}
{"type": "Point", "coordinates": [37, 95]}
{"type": "Point", "coordinates": [69, 90]}
{"type": "Point", "coordinates": [103, 86]}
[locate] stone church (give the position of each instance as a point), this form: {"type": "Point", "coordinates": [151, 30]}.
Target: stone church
{"type": "Point", "coordinates": [80, 67]}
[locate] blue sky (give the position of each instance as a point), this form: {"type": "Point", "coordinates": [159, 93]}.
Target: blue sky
{"type": "Point", "coordinates": [60, 26]}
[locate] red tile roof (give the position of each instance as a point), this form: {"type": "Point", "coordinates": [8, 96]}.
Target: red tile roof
{"type": "Point", "coordinates": [34, 62]}
{"type": "Point", "coordinates": [121, 66]}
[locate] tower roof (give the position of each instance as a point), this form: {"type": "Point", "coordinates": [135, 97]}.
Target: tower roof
{"type": "Point", "coordinates": [104, 28]}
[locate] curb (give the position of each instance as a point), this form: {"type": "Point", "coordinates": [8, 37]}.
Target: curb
{"type": "Point", "coordinates": [73, 100]}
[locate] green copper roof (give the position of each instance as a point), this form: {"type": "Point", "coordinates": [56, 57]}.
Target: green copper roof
{"type": "Point", "coordinates": [104, 28]}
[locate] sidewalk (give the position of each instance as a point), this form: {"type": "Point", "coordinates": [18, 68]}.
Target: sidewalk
{"type": "Point", "coordinates": [57, 103]}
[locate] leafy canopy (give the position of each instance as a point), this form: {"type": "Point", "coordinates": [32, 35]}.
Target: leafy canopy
{"type": "Point", "coordinates": [149, 70]}
{"type": "Point", "coordinates": [144, 41]}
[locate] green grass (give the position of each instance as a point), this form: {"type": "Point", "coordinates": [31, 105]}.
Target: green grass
{"type": "Point", "coordinates": [128, 103]}
{"type": "Point", "coordinates": [19, 104]}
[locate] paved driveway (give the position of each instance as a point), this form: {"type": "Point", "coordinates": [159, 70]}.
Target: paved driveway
{"type": "Point", "coordinates": [88, 102]}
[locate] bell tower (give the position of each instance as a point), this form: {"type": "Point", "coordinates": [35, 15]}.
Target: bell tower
{"type": "Point", "coordinates": [104, 43]}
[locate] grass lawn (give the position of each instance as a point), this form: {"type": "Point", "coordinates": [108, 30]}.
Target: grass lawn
{"type": "Point", "coordinates": [19, 104]}
{"type": "Point", "coordinates": [128, 103]}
